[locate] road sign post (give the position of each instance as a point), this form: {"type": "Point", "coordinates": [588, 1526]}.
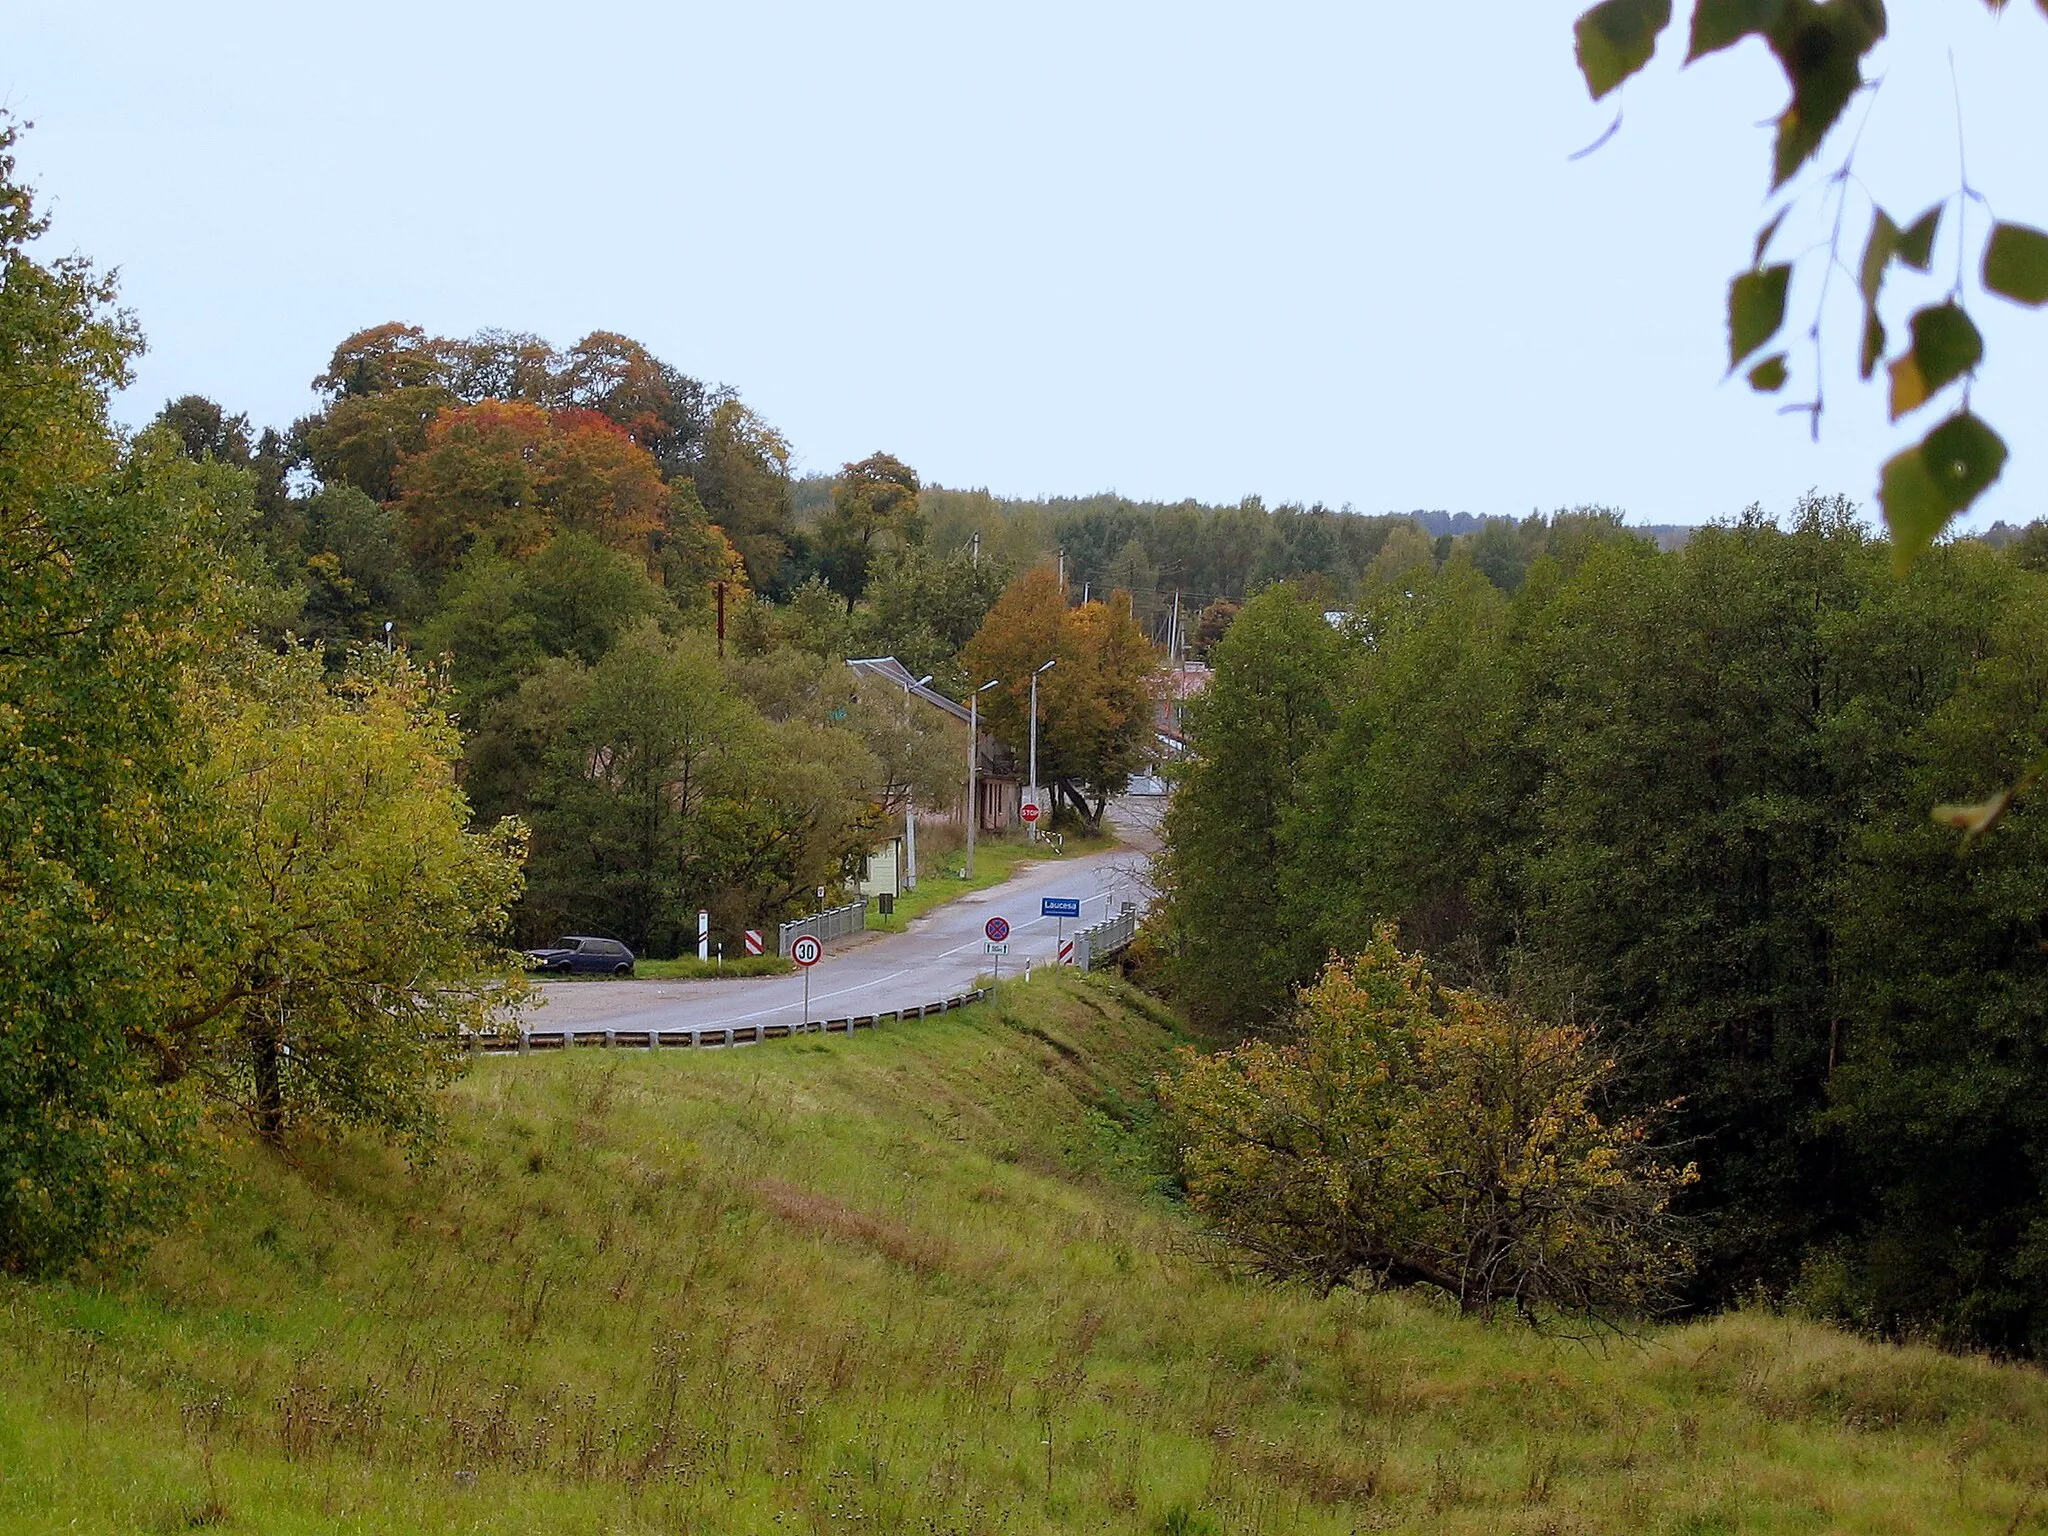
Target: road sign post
{"type": "Point", "coordinates": [805, 952]}
{"type": "Point", "coordinates": [1059, 909]}
{"type": "Point", "coordinates": [998, 931]}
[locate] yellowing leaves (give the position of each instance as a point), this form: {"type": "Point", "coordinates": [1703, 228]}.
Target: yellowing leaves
{"type": "Point", "coordinates": [1413, 1134]}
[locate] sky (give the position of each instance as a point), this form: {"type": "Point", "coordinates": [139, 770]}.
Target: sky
{"type": "Point", "coordinates": [1314, 252]}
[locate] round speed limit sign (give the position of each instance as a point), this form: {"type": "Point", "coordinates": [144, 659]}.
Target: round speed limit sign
{"type": "Point", "coordinates": [806, 951]}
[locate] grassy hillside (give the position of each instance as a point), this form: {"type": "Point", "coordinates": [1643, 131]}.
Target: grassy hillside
{"type": "Point", "coordinates": [923, 1281]}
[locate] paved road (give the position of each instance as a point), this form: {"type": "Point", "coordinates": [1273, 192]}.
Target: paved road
{"type": "Point", "coordinates": [939, 956]}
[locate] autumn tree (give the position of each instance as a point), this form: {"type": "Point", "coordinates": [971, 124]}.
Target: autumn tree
{"type": "Point", "coordinates": [1094, 707]}
{"type": "Point", "coordinates": [359, 941]}
{"type": "Point", "coordinates": [510, 476]}
{"type": "Point", "coordinates": [1409, 1134]}
{"type": "Point", "coordinates": [661, 408]}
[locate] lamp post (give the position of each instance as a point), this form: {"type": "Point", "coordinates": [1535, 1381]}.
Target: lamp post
{"type": "Point", "coordinates": [910, 805]}
{"type": "Point", "coordinates": [973, 733]}
{"type": "Point", "coordinates": [1031, 830]}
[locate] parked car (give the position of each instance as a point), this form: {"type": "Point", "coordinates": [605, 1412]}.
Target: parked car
{"type": "Point", "coordinates": [580, 952]}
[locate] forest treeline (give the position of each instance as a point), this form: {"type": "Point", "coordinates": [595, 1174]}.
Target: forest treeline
{"type": "Point", "coordinates": [1683, 799]}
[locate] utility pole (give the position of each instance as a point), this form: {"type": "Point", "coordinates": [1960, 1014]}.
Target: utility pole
{"type": "Point", "coordinates": [719, 587]}
{"type": "Point", "coordinates": [910, 806]}
{"type": "Point", "coordinates": [1031, 827]}
{"type": "Point", "coordinates": [973, 750]}
{"type": "Point", "coordinates": [1063, 576]}
{"type": "Point", "coordinates": [977, 552]}
{"type": "Point", "coordinates": [1173, 634]}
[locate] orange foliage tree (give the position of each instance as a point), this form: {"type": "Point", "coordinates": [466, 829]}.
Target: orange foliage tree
{"type": "Point", "coordinates": [1094, 709]}
{"type": "Point", "coordinates": [510, 475]}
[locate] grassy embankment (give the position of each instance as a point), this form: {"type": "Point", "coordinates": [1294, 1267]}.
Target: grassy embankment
{"type": "Point", "coordinates": [995, 860]}
{"type": "Point", "coordinates": [920, 1281]}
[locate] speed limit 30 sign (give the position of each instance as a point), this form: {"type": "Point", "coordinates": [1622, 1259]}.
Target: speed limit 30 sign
{"type": "Point", "coordinates": [806, 951]}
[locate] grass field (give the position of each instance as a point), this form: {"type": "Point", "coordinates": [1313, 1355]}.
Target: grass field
{"type": "Point", "coordinates": [923, 1281]}
{"type": "Point", "coordinates": [995, 860]}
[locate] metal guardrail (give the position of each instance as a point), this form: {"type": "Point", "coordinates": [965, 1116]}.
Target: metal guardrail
{"type": "Point", "coordinates": [832, 923]}
{"type": "Point", "coordinates": [1105, 938]}
{"type": "Point", "coordinates": [707, 1035]}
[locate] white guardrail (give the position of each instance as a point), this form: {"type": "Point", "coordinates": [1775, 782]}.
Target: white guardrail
{"type": "Point", "coordinates": [832, 923]}
{"type": "Point", "coordinates": [1105, 938]}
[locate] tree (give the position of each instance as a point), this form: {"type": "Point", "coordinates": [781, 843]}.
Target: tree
{"type": "Point", "coordinates": [661, 792]}
{"type": "Point", "coordinates": [385, 358]}
{"type": "Point", "coordinates": [206, 430]}
{"type": "Point", "coordinates": [499, 619]}
{"type": "Point", "coordinates": [1094, 708]}
{"type": "Point", "coordinates": [922, 608]}
{"type": "Point", "coordinates": [665, 411]}
{"type": "Point", "coordinates": [359, 945]}
{"type": "Point", "coordinates": [1820, 46]}
{"type": "Point", "coordinates": [113, 585]}
{"type": "Point", "coordinates": [510, 476]}
{"type": "Point", "coordinates": [1409, 1134]}
{"type": "Point", "coordinates": [874, 507]}
{"type": "Point", "coordinates": [1221, 873]}
{"type": "Point", "coordinates": [361, 439]}
{"type": "Point", "coordinates": [743, 483]}
{"type": "Point", "coordinates": [355, 572]}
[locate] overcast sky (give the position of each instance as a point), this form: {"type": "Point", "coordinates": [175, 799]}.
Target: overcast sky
{"type": "Point", "coordinates": [1327, 252]}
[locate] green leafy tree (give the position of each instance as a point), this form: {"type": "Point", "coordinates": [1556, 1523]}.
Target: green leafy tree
{"type": "Point", "coordinates": [1221, 874]}
{"type": "Point", "coordinates": [662, 791]}
{"type": "Point", "coordinates": [874, 508]}
{"type": "Point", "coordinates": [112, 587]}
{"type": "Point", "coordinates": [1409, 1134]}
{"type": "Point", "coordinates": [743, 483]}
{"type": "Point", "coordinates": [207, 431]}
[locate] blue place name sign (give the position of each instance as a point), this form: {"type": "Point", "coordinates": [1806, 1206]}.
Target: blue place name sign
{"type": "Point", "coordinates": [1059, 906]}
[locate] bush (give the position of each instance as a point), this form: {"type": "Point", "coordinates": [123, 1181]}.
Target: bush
{"type": "Point", "coordinates": [1412, 1134]}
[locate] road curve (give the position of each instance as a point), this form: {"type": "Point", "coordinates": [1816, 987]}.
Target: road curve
{"type": "Point", "coordinates": [941, 955]}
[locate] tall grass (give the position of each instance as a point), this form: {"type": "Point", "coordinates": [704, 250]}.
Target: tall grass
{"type": "Point", "coordinates": [924, 1281]}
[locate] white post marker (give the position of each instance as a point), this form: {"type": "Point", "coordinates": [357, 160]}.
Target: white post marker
{"type": "Point", "coordinates": [805, 952]}
{"type": "Point", "coordinates": [703, 934]}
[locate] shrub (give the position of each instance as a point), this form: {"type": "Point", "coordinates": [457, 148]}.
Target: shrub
{"type": "Point", "coordinates": [1411, 1134]}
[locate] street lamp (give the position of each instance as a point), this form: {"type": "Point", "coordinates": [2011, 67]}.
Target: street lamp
{"type": "Point", "coordinates": [910, 804]}
{"type": "Point", "coordinates": [973, 733]}
{"type": "Point", "coordinates": [1031, 828]}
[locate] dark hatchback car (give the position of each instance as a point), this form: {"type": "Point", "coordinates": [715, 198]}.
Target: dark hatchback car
{"type": "Point", "coordinates": [579, 952]}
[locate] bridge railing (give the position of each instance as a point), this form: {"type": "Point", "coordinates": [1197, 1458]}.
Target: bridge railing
{"type": "Point", "coordinates": [832, 923]}
{"type": "Point", "coordinates": [1105, 938]}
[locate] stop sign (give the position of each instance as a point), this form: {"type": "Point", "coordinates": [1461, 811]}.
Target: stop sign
{"type": "Point", "coordinates": [1030, 813]}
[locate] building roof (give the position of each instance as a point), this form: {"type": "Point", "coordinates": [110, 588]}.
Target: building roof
{"type": "Point", "coordinates": [889, 668]}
